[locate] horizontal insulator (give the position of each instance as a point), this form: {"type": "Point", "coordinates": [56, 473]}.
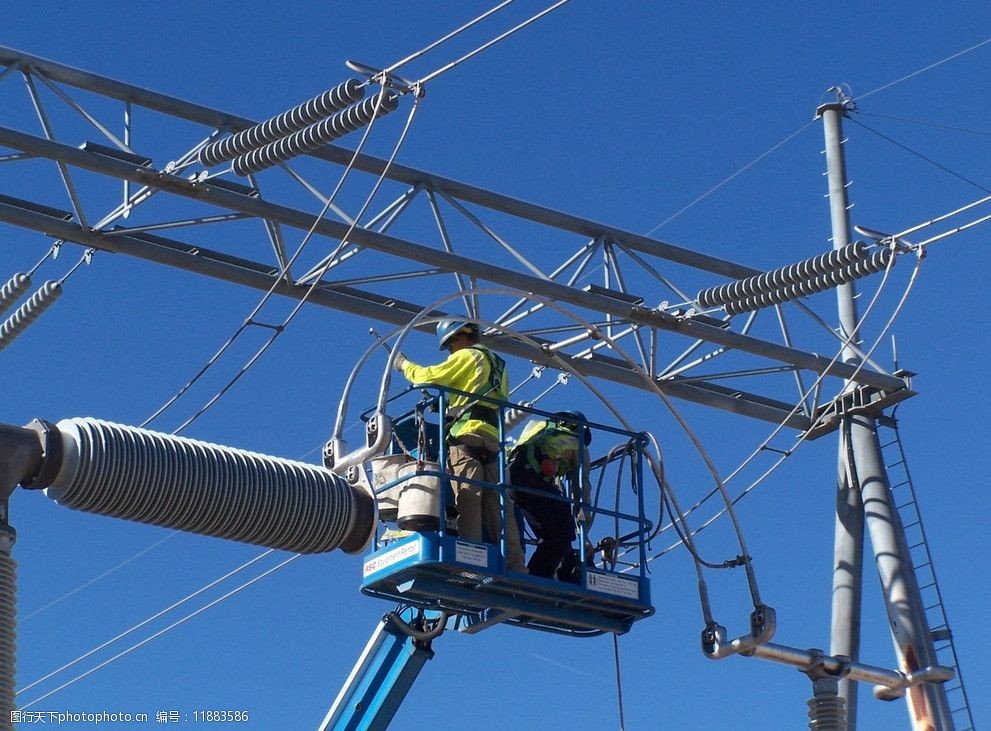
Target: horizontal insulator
{"type": "Point", "coordinates": [874, 263]}
{"type": "Point", "coordinates": [295, 119]}
{"type": "Point", "coordinates": [317, 135]}
{"type": "Point", "coordinates": [180, 483]}
{"type": "Point", "coordinates": [778, 278]}
{"type": "Point", "coordinates": [13, 289]}
{"type": "Point", "coordinates": [30, 311]}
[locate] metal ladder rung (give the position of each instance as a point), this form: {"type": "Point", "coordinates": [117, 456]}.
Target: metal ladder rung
{"type": "Point", "coordinates": [900, 484]}
{"type": "Point", "coordinates": [922, 565]}
{"type": "Point", "coordinates": [915, 545]}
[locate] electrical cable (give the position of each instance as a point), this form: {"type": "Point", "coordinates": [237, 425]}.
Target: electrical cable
{"type": "Point", "coordinates": [719, 185]}
{"type": "Point", "coordinates": [152, 618]}
{"type": "Point", "coordinates": [449, 36]}
{"type": "Point", "coordinates": [896, 312]}
{"type": "Point", "coordinates": [497, 39]}
{"type": "Point", "coordinates": [278, 330]}
{"type": "Point", "coordinates": [277, 279]}
{"type": "Point", "coordinates": [619, 681]}
{"type": "Point", "coordinates": [95, 579]}
{"type": "Point", "coordinates": [920, 155]}
{"type": "Point", "coordinates": [161, 632]}
{"type": "Point", "coordinates": [937, 125]}
{"type": "Point", "coordinates": [926, 68]}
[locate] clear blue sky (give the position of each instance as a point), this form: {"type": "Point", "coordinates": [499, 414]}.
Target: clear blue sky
{"type": "Point", "coordinates": [621, 112]}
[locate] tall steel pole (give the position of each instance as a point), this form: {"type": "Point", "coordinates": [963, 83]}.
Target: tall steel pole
{"type": "Point", "coordinates": [864, 493]}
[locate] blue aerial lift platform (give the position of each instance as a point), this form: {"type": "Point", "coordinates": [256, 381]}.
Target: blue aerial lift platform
{"type": "Point", "coordinates": [442, 581]}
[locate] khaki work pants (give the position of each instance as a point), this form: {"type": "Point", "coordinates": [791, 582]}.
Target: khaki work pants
{"type": "Point", "coordinates": [477, 505]}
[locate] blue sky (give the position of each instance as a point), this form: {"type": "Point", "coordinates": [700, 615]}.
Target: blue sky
{"type": "Point", "coordinates": [621, 112]}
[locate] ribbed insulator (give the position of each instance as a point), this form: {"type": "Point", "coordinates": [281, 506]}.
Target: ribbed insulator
{"type": "Point", "coordinates": [317, 135]}
{"type": "Point", "coordinates": [29, 312]}
{"type": "Point", "coordinates": [8, 632]}
{"type": "Point", "coordinates": [778, 278]}
{"type": "Point", "coordinates": [213, 490]}
{"type": "Point", "coordinates": [284, 124]}
{"type": "Point", "coordinates": [13, 289]}
{"type": "Point", "coordinates": [875, 263]}
{"type": "Point", "coordinates": [827, 714]}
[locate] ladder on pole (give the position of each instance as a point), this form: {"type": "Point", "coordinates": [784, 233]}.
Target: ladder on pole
{"type": "Point", "coordinates": [903, 492]}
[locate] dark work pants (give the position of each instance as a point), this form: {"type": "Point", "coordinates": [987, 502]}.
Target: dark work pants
{"type": "Point", "coordinates": [549, 519]}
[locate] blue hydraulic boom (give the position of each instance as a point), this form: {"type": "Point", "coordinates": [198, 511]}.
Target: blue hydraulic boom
{"type": "Point", "coordinates": [383, 675]}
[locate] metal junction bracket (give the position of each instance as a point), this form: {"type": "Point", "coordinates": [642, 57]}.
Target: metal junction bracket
{"type": "Point", "coordinates": [889, 684]}
{"type": "Point", "coordinates": [864, 400]}
{"type": "Point", "coordinates": [763, 623]}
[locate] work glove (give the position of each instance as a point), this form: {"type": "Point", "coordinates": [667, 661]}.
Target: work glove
{"type": "Point", "coordinates": [399, 362]}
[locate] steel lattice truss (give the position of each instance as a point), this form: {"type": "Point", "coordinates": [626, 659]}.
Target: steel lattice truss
{"type": "Point", "coordinates": [72, 125]}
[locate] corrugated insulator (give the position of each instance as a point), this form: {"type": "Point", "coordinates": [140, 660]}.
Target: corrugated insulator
{"type": "Point", "coordinates": [779, 278]}
{"type": "Point", "coordinates": [295, 119]}
{"type": "Point", "coordinates": [204, 488]}
{"type": "Point", "coordinates": [827, 714]}
{"type": "Point", "coordinates": [13, 289]}
{"type": "Point", "coordinates": [875, 263]}
{"type": "Point", "coordinates": [317, 135]}
{"type": "Point", "coordinates": [8, 632]}
{"type": "Point", "coordinates": [30, 311]}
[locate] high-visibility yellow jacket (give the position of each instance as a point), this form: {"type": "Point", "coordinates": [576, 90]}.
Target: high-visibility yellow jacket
{"type": "Point", "coordinates": [476, 370]}
{"type": "Point", "coordinates": [545, 440]}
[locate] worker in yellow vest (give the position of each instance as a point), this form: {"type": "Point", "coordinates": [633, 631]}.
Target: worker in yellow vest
{"type": "Point", "coordinates": [547, 455]}
{"type": "Point", "coordinates": [472, 430]}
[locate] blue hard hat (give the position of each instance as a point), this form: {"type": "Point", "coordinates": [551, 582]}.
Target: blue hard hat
{"type": "Point", "coordinates": [447, 329]}
{"type": "Point", "coordinates": [575, 421]}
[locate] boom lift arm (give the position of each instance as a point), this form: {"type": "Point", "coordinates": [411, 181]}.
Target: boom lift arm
{"type": "Point", "coordinates": [385, 672]}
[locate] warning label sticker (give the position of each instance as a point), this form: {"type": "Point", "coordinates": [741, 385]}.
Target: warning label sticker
{"type": "Point", "coordinates": [391, 557]}
{"type": "Point", "coordinates": [613, 584]}
{"type": "Point", "coordinates": [471, 554]}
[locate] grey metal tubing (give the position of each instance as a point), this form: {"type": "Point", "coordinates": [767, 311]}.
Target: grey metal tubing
{"type": "Point", "coordinates": [376, 166]}
{"type": "Point", "coordinates": [160, 479]}
{"type": "Point", "coordinates": [807, 659]}
{"type": "Point", "coordinates": [443, 260]}
{"type": "Point", "coordinates": [383, 309]}
{"type": "Point", "coordinates": [906, 616]}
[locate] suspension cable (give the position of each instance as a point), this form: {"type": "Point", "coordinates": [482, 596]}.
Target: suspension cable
{"type": "Point", "coordinates": [161, 632]}
{"type": "Point", "coordinates": [958, 54]}
{"type": "Point", "coordinates": [449, 36]}
{"type": "Point", "coordinates": [742, 170]}
{"type": "Point", "coordinates": [497, 39]}
{"type": "Point", "coordinates": [278, 330]}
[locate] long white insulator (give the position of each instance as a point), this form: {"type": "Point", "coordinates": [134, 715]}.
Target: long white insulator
{"type": "Point", "coordinates": [317, 135]}
{"type": "Point", "coordinates": [877, 261]}
{"type": "Point", "coordinates": [204, 488]}
{"type": "Point", "coordinates": [295, 119]}
{"type": "Point", "coordinates": [8, 630]}
{"type": "Point", "coordinates": [29, 312]}
{"type": "Point", "coordinates": [13, 289]}
{"type": "Point", "coordinates": [830, 261]}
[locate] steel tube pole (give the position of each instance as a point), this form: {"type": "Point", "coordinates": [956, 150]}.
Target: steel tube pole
{"type": "Point", "coordinates": [848, 540]}
{"type": "Point", "coordinates": [862, 469]}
